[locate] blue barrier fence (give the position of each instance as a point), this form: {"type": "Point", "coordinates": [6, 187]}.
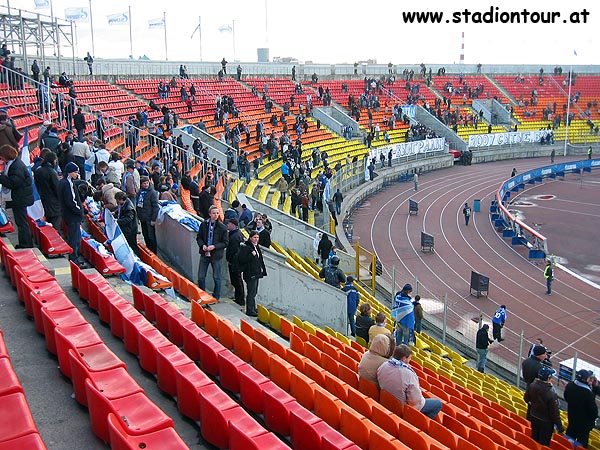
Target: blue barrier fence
{"type": "Point", "coordinates": [518, 231]}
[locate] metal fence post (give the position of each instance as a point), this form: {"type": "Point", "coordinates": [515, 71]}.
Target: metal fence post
{"type": "Point", "coordinates": [480, 319]}
{"type": "Point", "coordinates": [373, 273]}
{"type": "Point", "coordinates": [445, 318]}
{"type": "Point", "coordinates": [574, 371]}
{"type": "Point", "coordinates": [357, 251]}
{"type": "Point", "coordinates": [518, 374]}
{"type": "Point", "coordinates": [393, 283]}
{"type": "Point", "coordinates": [416, 285]}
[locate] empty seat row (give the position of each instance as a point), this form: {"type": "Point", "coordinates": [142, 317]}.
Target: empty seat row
{"type": "Point", "coordinates": [71, 338]}
{"type": "Point", "coordinates": [17, 428]}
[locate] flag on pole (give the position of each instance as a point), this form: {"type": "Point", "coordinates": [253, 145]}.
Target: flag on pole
{"type": "Point", "coordinates": [35, 211]}
{"type": "Point", "coordinates": [77, 14]}
{"type": "Point", "coordinates": [118, 19]}
{"type": "Point", "coordinates": [225, 28]}
{"type": "Point", "coordinates": [157, 24]}
{"type": "Point", "coordinates": [41, 4]}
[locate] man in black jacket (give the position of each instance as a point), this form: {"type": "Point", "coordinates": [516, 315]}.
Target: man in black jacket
{"type": "Point", "coordinates": [235, 273]}
{"type": "Point", "coordinates": [532, 365]}
{"type": "Point", "coordinates": [212, 240]}
{"type": "Point", "coordinates": [482, 342]}
{"type": "Point", "coordinates": [583, 411]}
{"type": "Point", "coordinates": [79, 121]}
{"type": "Point", "coordinates": [127, 220]}
{"type": "Point", "coordinates": [46, 182]}
{"type": "Point", "coordinates": [72, 209]}
{"type": "Point", "coordinates": [251, 259]}
{"type": "Point", "coordinates": [147, 210]}
{"type": "Point", "coordinates": [17, 179]}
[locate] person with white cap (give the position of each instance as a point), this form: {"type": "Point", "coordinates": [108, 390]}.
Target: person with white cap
{"type": "Point", "coordinates": [544, 413]}
{"type": "Point", "coordinates": [582, 409]}
{"type": "Point", "coordinates": [71, 209]}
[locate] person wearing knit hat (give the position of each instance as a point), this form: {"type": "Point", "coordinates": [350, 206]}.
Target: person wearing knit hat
{"type": "Point", "coordinates": [542, 400]}
{"type": "Point", "coordinates": [532, 365]}
{"type": "Point", "coordinates": [71, 209]}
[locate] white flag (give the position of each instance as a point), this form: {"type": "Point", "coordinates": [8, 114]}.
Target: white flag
{"type": "Point", "coordinates": [118, 19]}
{"type": "Point", "coordinates": [41, 4]}
{"type": "Point", "coordinates": [156, 24]}
{"type": "Point", "coordinates": [225, 28]}
{"type": "Point", "coordinates": [77, 14]}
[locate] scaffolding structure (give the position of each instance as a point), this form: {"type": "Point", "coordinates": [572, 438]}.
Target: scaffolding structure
{"type": "Point", "coordinates": [30, 36]}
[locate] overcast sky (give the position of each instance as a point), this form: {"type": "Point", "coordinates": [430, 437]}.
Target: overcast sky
{"type": "Point", "coordinates": [334, 31]}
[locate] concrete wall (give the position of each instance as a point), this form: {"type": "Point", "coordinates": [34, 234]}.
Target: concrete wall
{"type": "Point", "coordinates": [289, 292]}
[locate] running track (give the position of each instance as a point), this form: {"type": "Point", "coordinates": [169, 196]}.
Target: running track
{"type": "Point", "coordinates": [568, 320]}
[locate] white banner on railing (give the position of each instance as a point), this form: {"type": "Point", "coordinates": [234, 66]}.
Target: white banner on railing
{"type": "Point", "coordinates": [516, 137]}
{"type": "Point", "coordinates": [408, 148]}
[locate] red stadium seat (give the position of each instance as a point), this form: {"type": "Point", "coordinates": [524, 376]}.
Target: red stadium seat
{"type": "Point", "coordinates": [120, 439]}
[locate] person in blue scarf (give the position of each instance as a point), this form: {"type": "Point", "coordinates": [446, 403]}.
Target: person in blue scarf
{"type": "Point", "coordinates": [404, 314]}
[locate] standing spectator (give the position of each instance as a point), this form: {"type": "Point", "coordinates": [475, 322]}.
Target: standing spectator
{"type": "Point", "coordinates": [324, 248]}
{"type": "Point", "coordinates": [251, 260]}
{"type": "Point", "coordinates": [549, 276]}
{"type": "Point", "coordinates": [283, 187]}
{"type": "Point", "coordinates": [16, 179]}
{"type": "Point", "coordinates": [90, 62]}
{"type": "Point", "coordinates": [100, 127]}
{"type": "Point", "coordinates": [264, 236]}
{"type": "Point", "coordinates": [514, 172]}
{"type": "Point", "coordinates": [379, 327]}
{"type": "Point", "coordinates": [332, 274]}
{"type": "Point", "coordinates": [127, 220]}
{"type": "Point", "coordinates": [399, 379]}
{"type": "Point", "coordinates": [352, 299]}
{"type": "Point", "coordinates": [364, 322]}
{"type": "Point", "coordinates": [80, 152]}
{"type": "Point", "coordinates": [482, 342]}
{"type": "Point", "coordinates": [498, 323]}
{"type": "Point", "coordinates": [582, 408]}
{"type": "Point", "coordinates": [544, 414]}
{"type": "Point", "coordinates": [419, 313]}
{"type": "Point", "coordinates": [224, 66]}
{"type": "Point", "coordinates": [293, 76]}
{"type": "Point", "coordinates": [532, 365]}
{"type": "Point", "coordinates": [467, 213]}
{"type": "Point", "coordinates": [338, 198]}
{"type": "Point", "coordinates": [35, 70]}
{"type": "Point", "coordinates": [128, 184]}
{"type": "Point", "coordinates": [239, 72]}
{"type": "Point", "coordinates": [72, 209]}
{"type": "Point", "coordinates": [381, 349]}
{"type": "Point", "coordinates": [212, 239]}
{"type": "Point", "coordinates": [79, 122]}
{"type": "Point", "coordinates": [147, 211]}
{"type": "Point", "coordinates": [552, 156]}
{"type": "Point", "coordinates": [46, 182]}
{"type": "Point", "coordinates": [403, 312]}
{"type": "Point", "coordinates": [589, 152]}
{"type": "Point", "coordinates": [236, 238]}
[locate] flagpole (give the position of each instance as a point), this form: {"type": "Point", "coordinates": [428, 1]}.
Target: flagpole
{"type": "Point", "coordinates": [233, 38]}
{"type": "Point", "coordinates": [130, 36]}
{"type": "Point", "coordinates": [570, 78]}
{"type": "Point", "coordinates": [200, 34]}
{"type": "Point", "coordinates": [92, 30]}
{"type": "Point", "coordinates": [165, 27]}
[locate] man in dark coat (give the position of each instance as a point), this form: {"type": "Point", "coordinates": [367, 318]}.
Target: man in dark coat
{"type": "Point", "coordinates": [17, 179]}
{"type": "Point", "coordinates": [583, 411]}
{"type": "Point", "coordinates": [324, 248]}
{"type": "Point", "coordinates": [46, 182]}
{"type": "Point", "coordinates": [532, 365]}
{"type": "Point", "coordinates": [79, 121]}
{"type": "Point", "coordinates": [71, 209]}
{"type": "Point", "coordinates": [127, 219]}
{"type": "Point", "coordinates": [251, 260]}
{"type": "Point", "coordinates": [482, 342]}
{"type": "Point", "coordinates": [147, 211]}
{"type": "Point", "coordinates": [212, 239]}
{"type": "Point", "coordinates": [544, 414]}
{"type": "Point", "coordinates": [236, 238]}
